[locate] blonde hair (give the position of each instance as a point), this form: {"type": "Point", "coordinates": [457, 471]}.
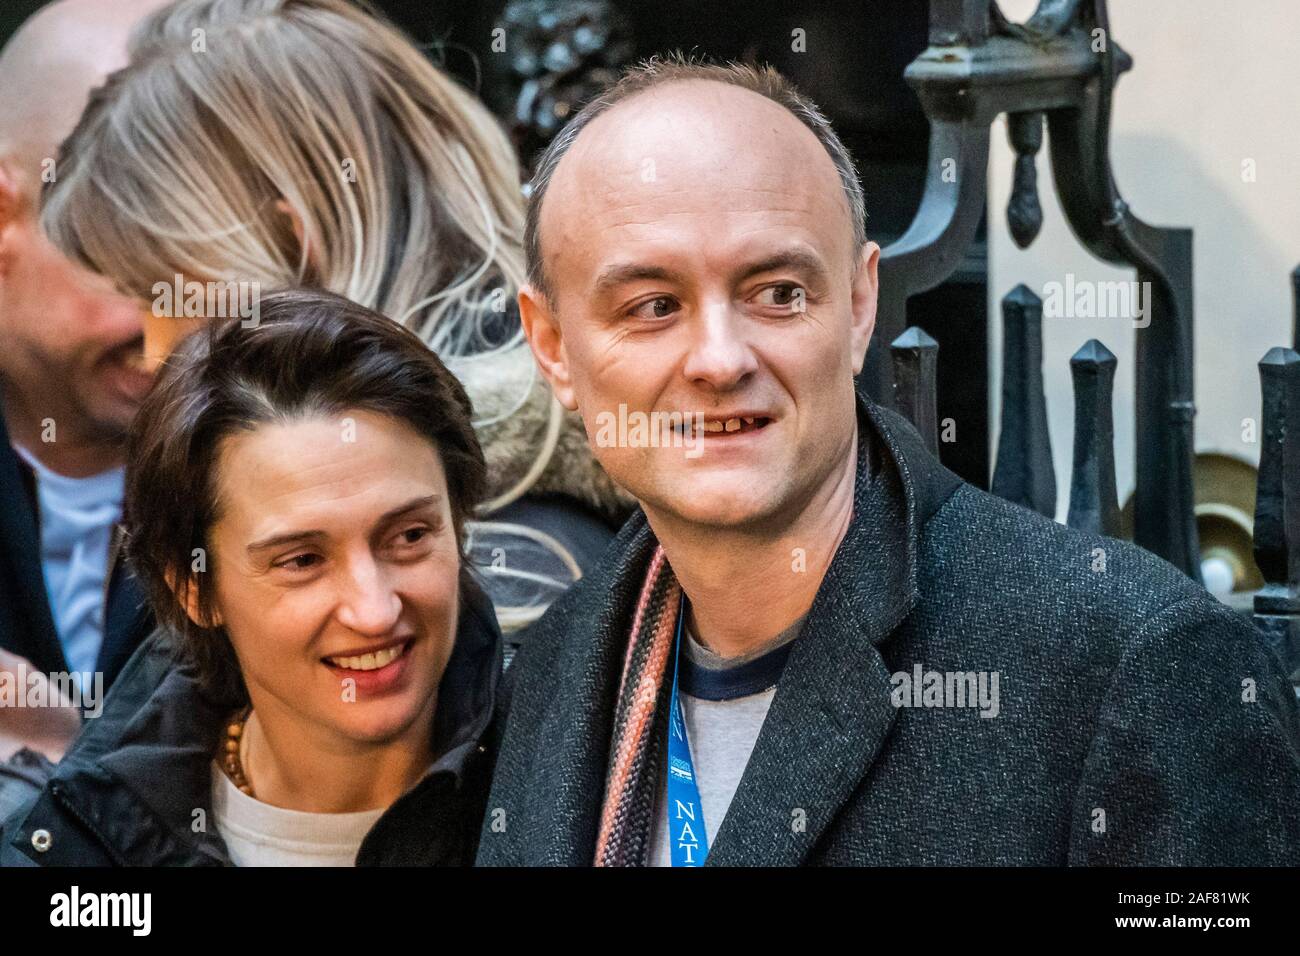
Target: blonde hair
{"type": "Point", "coordinates": [406, 188]}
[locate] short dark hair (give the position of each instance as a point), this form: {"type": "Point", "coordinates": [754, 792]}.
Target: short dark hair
{"type": "Point", "coordinates": [311, 352]}
{"type": "Point", "coordinates": [675, 68]}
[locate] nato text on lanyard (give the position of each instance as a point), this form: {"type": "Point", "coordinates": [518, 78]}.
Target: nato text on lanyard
{"type": "Point", "coordinates": [687, 840]}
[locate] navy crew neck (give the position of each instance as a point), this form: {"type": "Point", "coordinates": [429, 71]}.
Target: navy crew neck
{"type": "Point", "coordinates": [751, 677]}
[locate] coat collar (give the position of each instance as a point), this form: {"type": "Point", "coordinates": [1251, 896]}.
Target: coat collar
{"type": "Point", "coordinates": [831, 713]}
{"type": "Point", "coordinates": [36, 638]}
{"type": "Point", "coordinates": [161, 725]}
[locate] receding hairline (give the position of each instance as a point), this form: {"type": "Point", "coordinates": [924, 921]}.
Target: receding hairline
{"type": "Point", "coordinates": [648, 78]}
{"type": "Point", "coordinates": [49, 70]}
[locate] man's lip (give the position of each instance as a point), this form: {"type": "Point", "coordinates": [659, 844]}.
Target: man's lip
{"type": "Point", "coordinates": [697, 422]}
{"type": "Point", "coordinates": [722, 417]}
{"type": "Point", "coordinates": [373, 649]}
{"type": "Point", "coordinates": [128, 357]}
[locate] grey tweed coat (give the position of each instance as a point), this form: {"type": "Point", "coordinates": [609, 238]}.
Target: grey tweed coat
{"type": "Point", "coordinates": [1138, 721]}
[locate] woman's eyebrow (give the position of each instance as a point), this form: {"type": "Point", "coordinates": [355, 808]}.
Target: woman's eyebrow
{"type": "Point", "coordinates": [415, 504]}
{"type": "Point", "coordinates": [280, 540]}
{"type": "Point", "coordinates": [300, 537]}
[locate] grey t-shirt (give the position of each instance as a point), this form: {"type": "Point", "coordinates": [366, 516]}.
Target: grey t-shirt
{"type": "Point", "coordinates": [723, 716]}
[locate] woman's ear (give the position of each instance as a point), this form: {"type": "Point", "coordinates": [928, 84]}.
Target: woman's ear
{"type": "Point", "coordinates": [187, 595]}
{"type": "Point", "coordinates": [299, 231]}
{"type": "Point", "coordinates": [544, 336]}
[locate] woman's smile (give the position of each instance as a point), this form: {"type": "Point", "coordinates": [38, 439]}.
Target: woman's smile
{"type": "Point", "coordinates": [373, 672]}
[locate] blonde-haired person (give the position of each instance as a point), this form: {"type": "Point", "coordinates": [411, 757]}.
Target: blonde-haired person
{"type": "Point", "coordinates": [257, 144]}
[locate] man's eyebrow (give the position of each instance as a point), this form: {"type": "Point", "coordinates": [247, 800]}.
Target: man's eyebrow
{"type": "Point", "coordinates": [302, 537]}
{"type": "Point", "coordinates": [622, 272]}
{"type": "Point", "coordinates": [796, 258]}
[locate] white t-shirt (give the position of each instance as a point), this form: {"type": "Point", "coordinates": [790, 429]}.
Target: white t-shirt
{"type": "Point", "coordinates": [77, 516]}
{"type": "Point", "coordinates": [258, 834]}
{"type": "Point", "coordinates": [722, 734]}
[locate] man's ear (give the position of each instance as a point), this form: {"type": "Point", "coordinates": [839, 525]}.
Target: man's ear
{"type": "Point", "coordinates": [865, 290]}
{"type": "Point", "coordinates": [187, 595]}
{"type": "Point", "coordinates": [12, 209]}
{"type": "Point", "coordinates": [547, 342]}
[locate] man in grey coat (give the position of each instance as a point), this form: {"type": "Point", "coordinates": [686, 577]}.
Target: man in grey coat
{"type": "Point", "coordinates": [813, 644]}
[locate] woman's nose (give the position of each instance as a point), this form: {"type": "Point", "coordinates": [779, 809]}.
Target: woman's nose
{"type": "Point", "coordinates": [369, 604]}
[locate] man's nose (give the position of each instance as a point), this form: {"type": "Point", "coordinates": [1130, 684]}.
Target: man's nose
{"type": "Point", "coordinates": [368, 603]}
{"type": "Point", "coordinates": [720, 354]}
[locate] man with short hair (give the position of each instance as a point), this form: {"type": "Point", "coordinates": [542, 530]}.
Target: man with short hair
{"type": "Point", "coordinates": [814, 644]}
{"type": "Point", "coordinates": [70, 376]}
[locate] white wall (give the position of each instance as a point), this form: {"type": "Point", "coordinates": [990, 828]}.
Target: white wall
{"type": "Point", "coordinates": [1213, 84]}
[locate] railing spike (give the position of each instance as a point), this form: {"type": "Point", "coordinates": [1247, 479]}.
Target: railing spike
{"type": "Point", "coordinates": [915, 357]}
{"type": "Point", "coordinates": [1277, 508]}
{"type": "Point", "coordinates": [1023, 473]}
{"type": "Point", "coordinates": [1094, 505]}
{"type": "Point", "coordinates": [1295, 309]}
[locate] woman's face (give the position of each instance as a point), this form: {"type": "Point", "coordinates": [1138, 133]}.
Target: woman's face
{"type": "Point", "coordinates": [336, 572]}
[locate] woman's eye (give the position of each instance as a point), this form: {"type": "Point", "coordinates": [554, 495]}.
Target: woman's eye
{"type": "Point", "coordinates": [657, 308]}
{"type": "Point", "coordinates": [300, 562]}
{"type": "Point", "coordinates": [416, 536]}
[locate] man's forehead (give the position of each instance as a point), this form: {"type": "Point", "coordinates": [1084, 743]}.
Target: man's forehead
{"type": "Point", "coordinates": [686, 144]}
{"type": "Point", "coordinates": [50, 66]}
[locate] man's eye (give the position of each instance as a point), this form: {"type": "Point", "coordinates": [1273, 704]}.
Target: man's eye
{"type": "Point", "coordinates": [787, 295]}
{"type": "Point", "coordinates": [659, 307]}
{"type": "Point", "coordinates": [299, 562]}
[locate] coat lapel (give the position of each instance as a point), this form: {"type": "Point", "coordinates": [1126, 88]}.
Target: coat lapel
{"type": "Point", "coordinates": [568, 782]}
{"type": "Point", "coordinates": [831, 714]}
{"type": "Point", "coordinates": [830, 717]}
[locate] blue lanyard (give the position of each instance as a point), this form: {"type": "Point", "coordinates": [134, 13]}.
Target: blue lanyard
{"type": "Point", "coordinates": [688, 843]}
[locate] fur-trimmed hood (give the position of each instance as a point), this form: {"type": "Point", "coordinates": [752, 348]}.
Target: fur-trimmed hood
{"type": "Point", "coordinates": [513, 409]}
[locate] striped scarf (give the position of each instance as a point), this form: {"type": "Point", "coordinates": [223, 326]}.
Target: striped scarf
{"type": "Point", "coordinates": [630, 788]}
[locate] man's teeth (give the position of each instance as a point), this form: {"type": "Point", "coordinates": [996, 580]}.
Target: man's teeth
{"type": "Point", "coordinates": [730, 425]}
{"type": "Point", "coordinates": [369, 662]}
{"type": "Point", "coordinates": [135, 360]}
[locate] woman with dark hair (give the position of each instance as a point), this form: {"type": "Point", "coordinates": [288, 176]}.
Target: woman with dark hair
{"type": "Point", "coordinates": [325, 667]}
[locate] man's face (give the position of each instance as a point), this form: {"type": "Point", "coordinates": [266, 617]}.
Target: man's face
{"type": "Point", "coordinates": [68, 340]}
{"type": "Point", "coordinates": [700, 251]}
